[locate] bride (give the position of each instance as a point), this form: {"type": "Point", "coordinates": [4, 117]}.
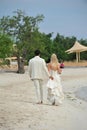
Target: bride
{"type": "Point", "coordinates": [54, 88]}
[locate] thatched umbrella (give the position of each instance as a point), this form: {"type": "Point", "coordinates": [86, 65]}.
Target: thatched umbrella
{"type": "Point", "coordinates": [77, 48]}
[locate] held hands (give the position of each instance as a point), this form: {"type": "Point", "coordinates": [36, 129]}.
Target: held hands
{"type": "Point", "coordinates": [60, 71]}
{"type": "Point", "coordinates": [51, 77]}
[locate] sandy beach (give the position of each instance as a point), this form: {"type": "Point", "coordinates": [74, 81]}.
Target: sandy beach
{"type": "Point", "coordinates": [19, 111]}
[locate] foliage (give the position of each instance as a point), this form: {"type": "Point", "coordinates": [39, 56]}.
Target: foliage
{"type": "Point", "coordinates": [6, 45]}
{"type": "Point", "coordinates": [21, 28]}
{"type": "Point", "coordinates": [24, 31]}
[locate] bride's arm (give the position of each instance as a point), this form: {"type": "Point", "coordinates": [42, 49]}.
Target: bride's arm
{"type": "Point", "coordinates": [48, 67]}
{"type": "Point", "coordinates": [59, 69]}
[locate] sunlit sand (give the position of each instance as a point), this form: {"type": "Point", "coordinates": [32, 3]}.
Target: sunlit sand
{"type": "Point", "coordinates": [19, 111]}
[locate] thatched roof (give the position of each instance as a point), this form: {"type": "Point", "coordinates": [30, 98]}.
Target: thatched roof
{"type": "Point", "coordinates": [77, 47]}
{"type": "Point", "coordinates": [11, 58]}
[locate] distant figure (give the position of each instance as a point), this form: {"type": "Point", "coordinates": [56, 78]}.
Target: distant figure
{"type": "Point", "coordinates": [55, 94]}
{"type": "Point", "coordinates": [37, 70]}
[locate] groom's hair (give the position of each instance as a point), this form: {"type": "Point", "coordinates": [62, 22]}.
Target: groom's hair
{"type": "Point", "coordinates": [37, 52]}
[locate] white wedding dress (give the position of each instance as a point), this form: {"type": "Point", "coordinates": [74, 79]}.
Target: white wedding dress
{"type": "Point", "coordinates": [54, 89]}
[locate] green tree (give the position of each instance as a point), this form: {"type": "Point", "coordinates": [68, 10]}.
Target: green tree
{"type": "Point", "coordinates": [6, 45]}
{"type": "Point", "coordinates": [21, 28]}
{"type": "Point", "coordinates": [61, 44]}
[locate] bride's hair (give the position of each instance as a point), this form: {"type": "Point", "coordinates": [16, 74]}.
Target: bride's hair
{"type": "Point", "coordinates": [54, 58]}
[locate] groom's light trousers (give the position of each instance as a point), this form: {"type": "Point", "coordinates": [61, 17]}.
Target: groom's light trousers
{"type": "Point", "coordinates": [39, 89]}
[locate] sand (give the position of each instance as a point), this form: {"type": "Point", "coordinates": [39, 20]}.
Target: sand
{"type": "Point", "coordinates": [19, 111]}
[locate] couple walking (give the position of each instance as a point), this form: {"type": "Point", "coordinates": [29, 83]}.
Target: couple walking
{"type": "Point", "coordinates": [38, 69]}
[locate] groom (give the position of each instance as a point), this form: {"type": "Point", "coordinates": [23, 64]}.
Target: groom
{"type": "Point", "coordinates": [37, 69]}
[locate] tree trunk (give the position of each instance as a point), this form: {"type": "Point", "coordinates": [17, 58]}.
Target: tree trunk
{"type": "Point", "coordinates": [20, 65]}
